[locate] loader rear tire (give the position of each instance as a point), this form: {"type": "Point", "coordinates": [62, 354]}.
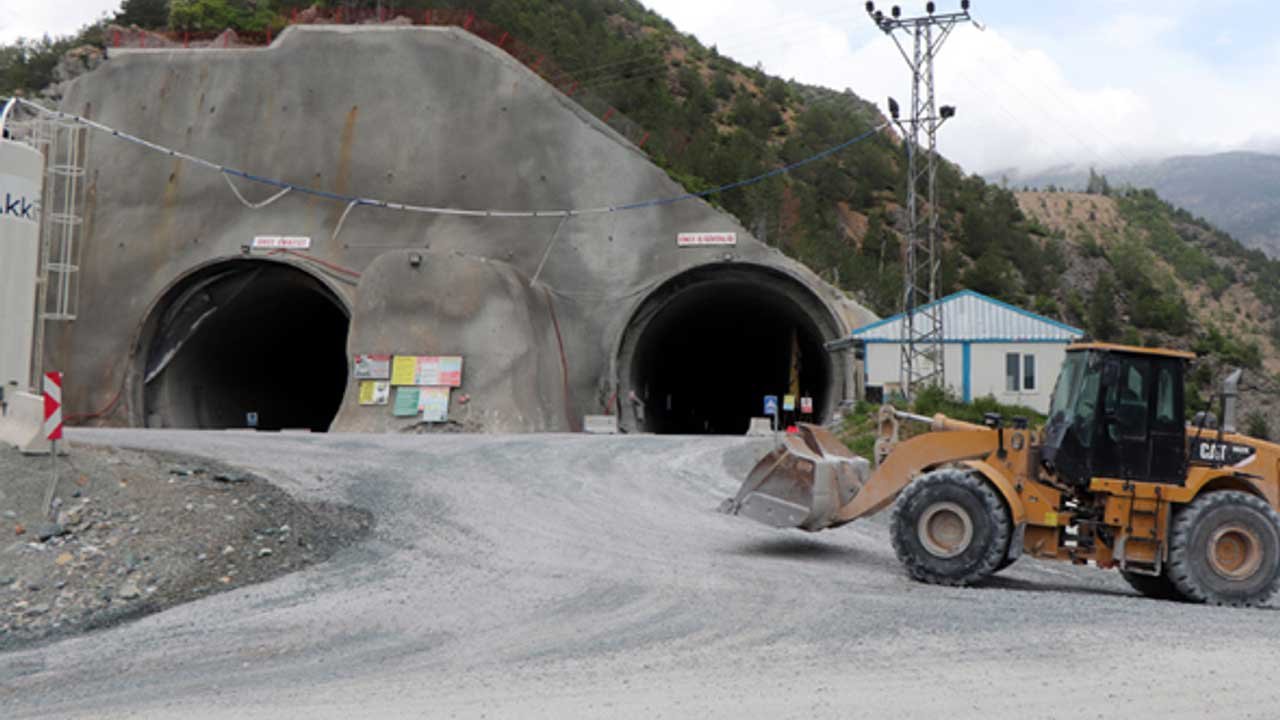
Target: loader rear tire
{"type": "Point", "coordinates": [1157, 587]}
{"type": "Point", "coordinates": [1224, 549]}
{"type": "Point", "coordinates": [950, 527]}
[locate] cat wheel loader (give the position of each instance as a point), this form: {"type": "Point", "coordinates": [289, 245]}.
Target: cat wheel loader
{"type": "Point", "coordinates": [1116, 477]}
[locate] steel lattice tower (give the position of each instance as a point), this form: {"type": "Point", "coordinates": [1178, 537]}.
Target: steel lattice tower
{"type": "Point", "coordinates": [923, 359]}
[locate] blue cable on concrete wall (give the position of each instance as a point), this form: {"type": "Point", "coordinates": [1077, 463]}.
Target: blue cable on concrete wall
{"type": "Point", "coordinates": [355, 201]}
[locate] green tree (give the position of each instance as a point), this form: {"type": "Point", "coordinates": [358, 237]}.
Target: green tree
{"type": "Point", "coordinates": [1102, 320]}
{"type": "Point", "coordinates": [991, 275]}
{"type": "Point", "coordinates": [1255, 425]}
{"type": "Point", "coordinates": [148, 14]}
{"type": "Point", "coordinates": [1098, 184]}
{"type": "Point", "coordinates": [721, 85]}
{"type": "Point", "coordinates": [219, 15]}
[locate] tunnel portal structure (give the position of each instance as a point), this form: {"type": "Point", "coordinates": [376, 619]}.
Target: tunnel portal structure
{"type": "Point", "coordinates": [187, 322]}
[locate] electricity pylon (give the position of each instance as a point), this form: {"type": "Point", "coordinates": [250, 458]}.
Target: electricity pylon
{"type": "Point", "coordinates": [923, 360]}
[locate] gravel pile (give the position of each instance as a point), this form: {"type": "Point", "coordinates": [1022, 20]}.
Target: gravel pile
{"type": "Point", "coordinates": [138, 532]}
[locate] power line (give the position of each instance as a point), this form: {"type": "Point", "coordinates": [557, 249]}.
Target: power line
{"type": "Point", "coordinates": [353, 201]}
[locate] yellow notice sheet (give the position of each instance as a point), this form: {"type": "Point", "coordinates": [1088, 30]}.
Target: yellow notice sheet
{"type": "Point", "coordinates": [404, 370]}
{"type": "Point", "coordinates": [375, 392]}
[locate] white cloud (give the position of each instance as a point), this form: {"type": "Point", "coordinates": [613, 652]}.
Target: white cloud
{"type": "Point", "coordinates": [1109, 87]}
{"type": "Point", "coordinates": [1114, 91]}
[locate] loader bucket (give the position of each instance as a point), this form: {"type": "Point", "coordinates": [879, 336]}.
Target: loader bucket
{"type": "Point", "coordinates": [802, 483]}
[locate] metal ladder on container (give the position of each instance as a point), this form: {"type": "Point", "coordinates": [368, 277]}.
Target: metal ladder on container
{"type": "Point", "coordinates": [64, 144]}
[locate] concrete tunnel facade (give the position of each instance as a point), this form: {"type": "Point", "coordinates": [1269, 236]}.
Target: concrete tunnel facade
{"type": "Point", "coordinates": [182, 325]}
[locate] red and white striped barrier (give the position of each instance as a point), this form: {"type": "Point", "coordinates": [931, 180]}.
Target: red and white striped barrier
{"type": "Point", "coordinates": [53, 405]}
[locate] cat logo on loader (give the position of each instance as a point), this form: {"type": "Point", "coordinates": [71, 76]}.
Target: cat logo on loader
{"type": "Point", "coordinates": [1116, 477]}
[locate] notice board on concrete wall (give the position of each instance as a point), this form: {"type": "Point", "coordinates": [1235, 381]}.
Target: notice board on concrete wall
{"type": "Point", "coordinates": [375, 392]}
{"type": "Point", "coordinates": [427, 370]}
{"type": "Point", "coordinates": [371, 367]}
{"type": "Point", "coordinates": [434, 403]}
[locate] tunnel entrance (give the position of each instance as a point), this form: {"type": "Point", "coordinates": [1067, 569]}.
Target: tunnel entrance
{"type": "Point", "coordinates": [246, 340]}
{"type": "Point", "coordinates": [704, 349]}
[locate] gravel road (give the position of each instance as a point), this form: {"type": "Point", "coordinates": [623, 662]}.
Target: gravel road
{"type": "Point", "coordinates": [576, 576]}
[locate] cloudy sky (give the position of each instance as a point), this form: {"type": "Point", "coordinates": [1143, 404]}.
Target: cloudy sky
{"type": "Point", "coordinates": [1086, 81]}
{"type": "Point", "coordinates": [1098, 82]}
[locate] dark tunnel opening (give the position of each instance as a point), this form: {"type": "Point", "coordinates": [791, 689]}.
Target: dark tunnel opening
{"type": "Point", "coordinates": [711, 348]}
{"type": "Point", "coordinates": [248, 338]}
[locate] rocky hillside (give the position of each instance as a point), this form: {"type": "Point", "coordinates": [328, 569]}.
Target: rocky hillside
{"type": "Point", "coordinates": [1135, 269]}
{"type": "Point", "coordinates": [1236, 191]}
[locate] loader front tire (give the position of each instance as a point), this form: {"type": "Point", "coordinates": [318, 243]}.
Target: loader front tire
{"type": "Point", "coordinates": [950, 527]}
{"type": "Point", "coordinates": [1224, 549]}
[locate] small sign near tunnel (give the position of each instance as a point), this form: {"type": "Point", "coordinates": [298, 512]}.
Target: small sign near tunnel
{"type": "Point", "coordinates": [706, 239]}
{"type": "Point", "coordinates": [372, 367]}
{"type": "Point", "coordinates": [281, 242]}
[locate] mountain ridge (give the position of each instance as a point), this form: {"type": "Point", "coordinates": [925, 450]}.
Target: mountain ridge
{"type": "Point", "coordinates": [1238, 191]}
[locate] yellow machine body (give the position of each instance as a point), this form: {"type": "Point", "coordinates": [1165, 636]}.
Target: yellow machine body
{"type": "Point", "coordinates": [1112, 522]}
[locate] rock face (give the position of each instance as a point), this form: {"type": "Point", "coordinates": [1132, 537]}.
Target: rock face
{"type": "Point", "coordinates": [74, 63]}
{"type": "Point", "coordinates": [555, 318]}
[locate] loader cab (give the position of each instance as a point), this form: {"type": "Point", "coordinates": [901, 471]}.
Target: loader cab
{"type": "Point", "coordinates": [1117, 412]}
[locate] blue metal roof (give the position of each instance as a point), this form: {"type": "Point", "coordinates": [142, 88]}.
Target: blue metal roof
{"type": "Point", "coordinates": [970, 316]}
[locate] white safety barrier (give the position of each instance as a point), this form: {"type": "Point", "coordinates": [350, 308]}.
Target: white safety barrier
{"type": "Point", "coordinates": [22, 424]}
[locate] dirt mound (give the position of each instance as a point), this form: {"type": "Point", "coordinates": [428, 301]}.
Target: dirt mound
{"type": "Point", "coordinates": [140, 532]}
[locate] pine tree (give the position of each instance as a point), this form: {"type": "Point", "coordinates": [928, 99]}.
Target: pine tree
{"type": "Point", "coordinates": [147, 14]}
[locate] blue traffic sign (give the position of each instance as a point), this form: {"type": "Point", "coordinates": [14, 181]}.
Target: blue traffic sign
{"type": "Point", "coordinates": [770, 404]}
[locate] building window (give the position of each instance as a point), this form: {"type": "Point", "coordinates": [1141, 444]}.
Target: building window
{"type": "Point", "coordinates": [1019, 372]}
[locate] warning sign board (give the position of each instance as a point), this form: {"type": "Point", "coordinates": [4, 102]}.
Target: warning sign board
{"type": "Point", "coordinates": [406, 404]}
{"type": "Point", "coordinates": [375, 392]}
{"type": "Point", "coordinates": [789, 403]}
{"type": "Point", "coordinates": [53, 405]}
{"type": "Point", "coordinates": [371, 367]}
{"type": "Point", "coordinates": [440, 371]}
{"type": "Point", "coordinates": [427, 370]}
{"type": "Point", "coordinates": [434, 403]}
